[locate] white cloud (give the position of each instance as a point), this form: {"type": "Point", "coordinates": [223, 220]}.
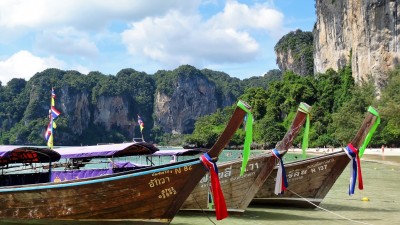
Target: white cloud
{"type": "Point", "coordinates": [176, 38]}
{"type": "Point", "coordinates": [241, 16]}
{"type": "Point", "coordinates": [37, 14]}
{"type": "Point", "coordinates": [66, 41]}
{"type": "Point", "coordinates": [159, 34]}
{"type": "Point", "coordinates": [24, 65]}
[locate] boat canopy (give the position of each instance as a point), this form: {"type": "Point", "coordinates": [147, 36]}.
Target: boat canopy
{"type": "Point", "coordinates": [180, 152]}
{"type": "Point", "coordinates": [107, 150]}
{"type": "Point", "coordinates": [26, 154]}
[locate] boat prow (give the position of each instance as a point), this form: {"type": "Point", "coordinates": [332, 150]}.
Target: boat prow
{"type": "Point", "coordinates": [147, 195]}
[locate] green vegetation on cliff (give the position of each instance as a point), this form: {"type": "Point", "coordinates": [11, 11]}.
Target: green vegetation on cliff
{"type": "Point", "coordinates": [299, 44]}
{"type": "Point", "coordinates": [338, 106]}
{"type": "Point", "coordinates": [226, 86]}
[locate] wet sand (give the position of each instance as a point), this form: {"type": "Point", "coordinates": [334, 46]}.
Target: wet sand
{"type": "Point", "coordinates": [381, 187]}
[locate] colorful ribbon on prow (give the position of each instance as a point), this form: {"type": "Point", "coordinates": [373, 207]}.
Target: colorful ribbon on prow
{"type": "Point", "coordinates": [355, 168]}
{"type": "Point", "coordinates": [371, 132]}
{"type": "Point", "coordinates": [304, 145]}
{"type": "Point", "coordinates": [249, 137]}
{"type": "Point", "coordinates": [355, 155]}
{"type": "Point", "coordinates": [221, 211]}
{"type": "Point", "coordinates": [281, 180]}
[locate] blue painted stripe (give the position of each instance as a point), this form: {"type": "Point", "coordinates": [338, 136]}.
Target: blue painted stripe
{"type": "Point", "coordinates": [61, 185]}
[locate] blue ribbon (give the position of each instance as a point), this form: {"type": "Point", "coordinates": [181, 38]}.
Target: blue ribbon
{"type": "Point", "coordinates": [210, 160]}
{"type": "Point", "coordinates": [355, 168]}
{"type": "Point", "coordinates": [281, 180]}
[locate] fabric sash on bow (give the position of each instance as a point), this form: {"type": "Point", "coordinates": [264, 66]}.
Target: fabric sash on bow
{"type": "Point", "coordinates": [248, 139]}
{"type": "Point", "coordinates": [281, 181]}
{"type": "Point", "coordinates": [355, 168]}
{"type": "Point", "coordinates": [371, 132]}
{"type": "Point", "coordinates": [219, 200]}
{"type": "Point", "coordinates": [304, 144]}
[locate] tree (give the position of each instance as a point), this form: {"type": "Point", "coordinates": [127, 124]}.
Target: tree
{"type": "Point", "coordinates": [390, 110]}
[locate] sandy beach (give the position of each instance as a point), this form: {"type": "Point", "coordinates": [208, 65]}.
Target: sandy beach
{"type": "Point", "coordinates": [369, 151]}
{"type": "Point", "coordinates": [380, 174]}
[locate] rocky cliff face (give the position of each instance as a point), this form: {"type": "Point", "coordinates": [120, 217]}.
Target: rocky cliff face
{"type": "Point", "coordinates": [109, 112]}
{"type": "Point", "coordinates": [96, 108]}
{"type": "Point", "coordinates": [294, 52]}
{"type": "Point", "coordinates": [367, 31]}
{"type": "Point", "coordinates": [112, 112]}
{"type": "Point", "coordinates": [192, 97]}
{"type": "Point", "coordinates": [78, 106]}
{"type": "Point", "coordinates": [286, 62]}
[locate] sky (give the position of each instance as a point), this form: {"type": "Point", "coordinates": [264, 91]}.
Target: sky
{"type": "Point", "coordinates": [234, 36]}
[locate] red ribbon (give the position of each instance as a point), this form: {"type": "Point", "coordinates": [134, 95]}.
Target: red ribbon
{"type": "Point", "coordinates": [219, 200]}
{"type": "Point", "coordinates": [355, 169]}
{"type": "Point", "coordinates": [360, 180]}
{"type": "Point", "coordinates": [281, 180]}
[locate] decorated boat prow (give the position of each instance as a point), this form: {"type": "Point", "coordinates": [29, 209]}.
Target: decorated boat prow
{"type": "Point", "coordinates": [146, 195]}
{"type": "Point", "coordinates": [311, 179]}
{"type": "Point", "coordinates": [239, 190]}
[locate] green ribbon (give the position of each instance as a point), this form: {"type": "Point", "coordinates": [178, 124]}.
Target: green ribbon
{"type": "Point", "coordinates": [249, 137]}
{"type": "Point", "coordinates": [210, 200]}
{"type": "Point", "coordinates": [371, 132]}
{"type": "Point", "coordinates": [304, 145]}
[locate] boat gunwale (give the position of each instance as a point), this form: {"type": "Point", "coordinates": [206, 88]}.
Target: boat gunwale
{"type": "Point", "coordinates": [315, 158]}
{"type": "Point", "coordinates": [105, 178]}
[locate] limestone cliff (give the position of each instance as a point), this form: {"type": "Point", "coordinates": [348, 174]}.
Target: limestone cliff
{"type": "Point", "coordinates": [367, 31]}
{"type": "Point", "coordinates": [294, 52]}
{"type": "Point", "coordinates": [77, 106]}
{"type": "Point", "coordinates": [112, 112]}
{"type": "Point", "coordinates": [193, 96]}
{"type": "Point", "coordinates": [97, 108]}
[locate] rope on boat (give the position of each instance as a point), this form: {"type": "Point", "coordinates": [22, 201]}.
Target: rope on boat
{"type": "Point", "coordinates": [319, 207]}
{"type": "Point", "coordinates": [204, 212]}
{"type": "Point", "coordinates": [201, 208]}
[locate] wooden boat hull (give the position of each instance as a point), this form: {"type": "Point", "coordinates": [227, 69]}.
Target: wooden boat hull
{"type": "Point", "coordinates": [152, 195]}
{"type": "Point", "coordinates": [238, 190]}
{"type": "Point", "coordinates": [309, 180]}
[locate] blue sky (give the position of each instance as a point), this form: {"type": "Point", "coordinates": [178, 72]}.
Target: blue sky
{"type": "Point", "coordinates": [235, 37]}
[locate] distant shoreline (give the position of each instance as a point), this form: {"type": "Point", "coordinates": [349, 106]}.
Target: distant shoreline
{"type": "Point", "coordinates": [368, 151]}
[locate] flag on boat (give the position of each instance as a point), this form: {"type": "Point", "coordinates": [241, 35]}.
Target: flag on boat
{"type": "Point", "coordinates": [54, 112]}
{"type": "Point", "coordinates": [53, 96]}
{"type": "Point", "coordinates": [50, 142]}
{"type": "Point", "coordinates": [140, 122]}
{"type": "Point", "coordinates": [48, 132]}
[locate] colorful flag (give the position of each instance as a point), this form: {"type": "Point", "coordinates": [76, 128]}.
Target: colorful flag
{"type": "Point", "coordinates": [54, 112]}
{"type": "Point", "coordinates": [53, 96]}
{"type": "Point", "coordinates": [50, 142]}
{"type": "Point", "coordinates": [48, 132]}
{"type": "Point", "coordinates": [140, 122]}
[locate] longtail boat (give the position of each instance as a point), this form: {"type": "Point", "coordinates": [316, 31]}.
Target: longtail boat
{"type": "Point", "coordinates": [240, 190]}
{"type": "Point", "coordinates": [151, 195]}
{"type": "Point", "coordinates": [311, 179]}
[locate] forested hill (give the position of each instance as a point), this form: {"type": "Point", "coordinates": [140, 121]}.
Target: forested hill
{"type": "Point", "coordinates": [99, 108]}
{"type": "Point", "coordinates": [338, 109]}
{"type": "Point", "coordinates": [192, 105]}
